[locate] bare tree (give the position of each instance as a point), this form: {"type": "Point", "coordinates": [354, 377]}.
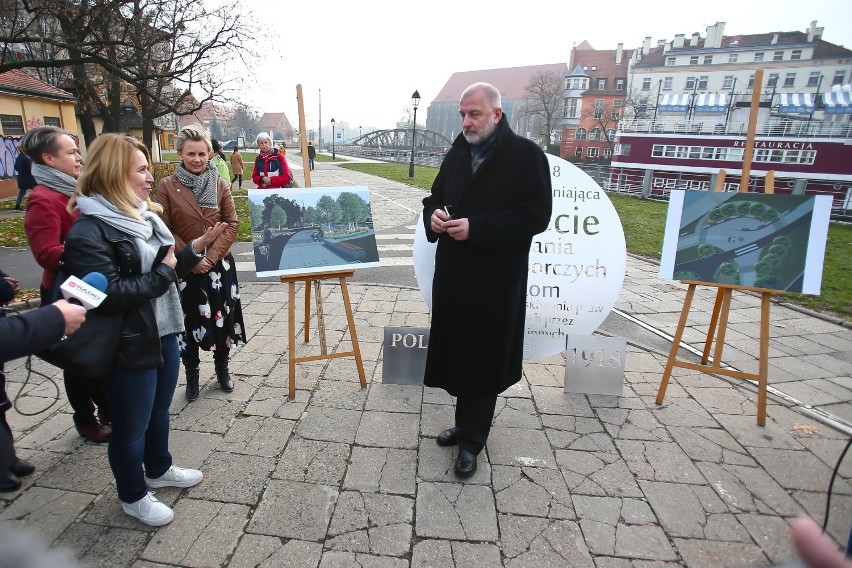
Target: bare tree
{"type": "Point", "coordinates": [636, 105]}
{"type": "Point", "coordinates": [604, 121]}
{"type": "Point", "coordinates": [545, 101]}
{"type": "Point", "coordinates": [127, 48]}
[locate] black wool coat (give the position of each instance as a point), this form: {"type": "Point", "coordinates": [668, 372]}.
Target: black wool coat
{"type": "Point", "coordinates": [479, 289]}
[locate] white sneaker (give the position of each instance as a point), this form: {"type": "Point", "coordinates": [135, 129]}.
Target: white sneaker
{"type": "Point", "coordinates": [149, 511]}
{"type": "Point", "coordinates": [176, 477]}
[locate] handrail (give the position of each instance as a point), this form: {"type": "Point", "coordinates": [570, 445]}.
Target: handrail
{"type": "Point", "coordinates": [772, 127]}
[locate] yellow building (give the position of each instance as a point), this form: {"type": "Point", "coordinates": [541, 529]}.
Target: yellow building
{"type": "Point", "coordinates": [25, 103]}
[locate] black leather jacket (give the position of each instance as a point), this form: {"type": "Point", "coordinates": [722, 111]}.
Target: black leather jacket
{"type": "Point", "coordinates": [94, 246]}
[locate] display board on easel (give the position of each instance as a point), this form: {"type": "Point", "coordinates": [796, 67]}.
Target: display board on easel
{"type": "Point", "coordinates": [763, 243]}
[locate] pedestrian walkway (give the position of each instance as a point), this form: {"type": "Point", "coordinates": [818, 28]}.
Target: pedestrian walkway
{"type": "Point", "coordinates": [347, 477]}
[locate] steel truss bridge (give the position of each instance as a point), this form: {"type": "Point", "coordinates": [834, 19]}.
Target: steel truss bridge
{"type": "Point", "coordinates": [395, 146]}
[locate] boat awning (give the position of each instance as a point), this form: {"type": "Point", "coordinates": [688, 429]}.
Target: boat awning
{"type": "Point", "coordinates": [674, 102]}
{"type": "Point", "coordinates": [711, 102]}
{"type": "Point", "coordinates": [837, 102]}
{"type": "Point", "coordinates": [801, 103]}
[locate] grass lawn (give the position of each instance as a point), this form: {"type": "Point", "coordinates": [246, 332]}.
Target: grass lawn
{"type": "Point", "coordinates": [644, 222]}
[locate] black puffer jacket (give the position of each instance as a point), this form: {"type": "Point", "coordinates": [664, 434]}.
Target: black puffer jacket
{"type": "Point", "coordinates": [94, 246]}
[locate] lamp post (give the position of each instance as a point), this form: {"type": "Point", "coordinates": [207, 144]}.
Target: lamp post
{"type": "Point", "coordinates": [332, 140]}
{"type": "Point", "coordinates": [415, 100]}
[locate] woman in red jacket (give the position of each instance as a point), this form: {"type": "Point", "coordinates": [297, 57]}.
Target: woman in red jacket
{"type": "Point", "coordinates": [56, 167]}
{"type": "Point", "coordinates": [270, 168]}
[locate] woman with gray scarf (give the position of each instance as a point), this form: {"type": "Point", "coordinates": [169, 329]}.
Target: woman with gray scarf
{"type": "Point", "coordinates": [120, 235]}
{"type": "Point", "coordinates": [56, 166]}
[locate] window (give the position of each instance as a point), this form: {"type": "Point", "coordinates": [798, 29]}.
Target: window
{"type": "Point", "coordinates": [758, 57]}
{"type": "Point", "coordinates": [615, 116]}
{"type": "Point", "coordinates": [571, 108]}
{"type": "Point", "coordinates": [773, 80]}
{"type": "Point", "coordinates": [728, 82]}
{"type": "Point", "coordinates": [619, 84]}
{"type": "Point", "coordinates": [813, 79]}
{"type": "Point", "coordinates": [671, 61]}
{"type": "Point", "coordinates": [838, 77]}
{"type": "Point", "coordinates": [646, 84]}
{"type": "Point", "coordinates": [732, 57]}
{"type": "Point", "coordinates": [790, 80]}
{"type": "Point", "coordinates": [751, 81]}
{"type": "Point", "coordinates": [599, 108]}
{"type": "Point", "coordinates": [592, 153]}
{"type": "Point", "coordinates": [690, 83]}
{"type": "Point", "coordinates": [797, 54]}
{"type": "Point", "coordinates": [595, 134]}
{"type": "Point", "coordinates": [702, 82]}
{"type": "Point", "coordinates": [693, 60]}
{"type": "Point", "coordinates": [667, 83]}
{"type": "Point", "coordinates": [610, 134]}
{"type": "Point", "coordinates": [12, 124]}
{"type": "Point", "coordinates": [617, 103]}
{"type": "Point", "coordinates": [581, 134]}
{"type": "Point", "coordinates": [778, 56]}
{"type": "Point", "coordinates": [52, 121]}
{"type": "Point", "coordinates": [625, 150]}
{"type": "Point", "coordinates": [579, 152]}
{"type": "Point", "coordinates": [607, 152]}
{"type": "Point", "coordinates": [601, 84]}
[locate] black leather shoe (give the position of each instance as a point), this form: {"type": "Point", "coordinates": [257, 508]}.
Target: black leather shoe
{"type": "Point", "coordinates": [449, 437]}
{"type": "Point", "coordinates": [192, 389]}
{"type": "Point", "coordinates": [465, 464]}
{"type": "Point", "coordinates": [9, 483]}
{"type": "Point", "coordinates": [22, 468]}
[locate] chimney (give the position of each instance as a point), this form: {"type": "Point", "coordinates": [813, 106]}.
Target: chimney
{"type": "Point", "coordinates": [693, 41]}
{"type": "Point", "coordinates": [646, 46]}
{"type": "Point", "coordinates": [720, 33]}
{"type": "Point", "coordinates": [662, 43]}
{"type": "Point", "coordinates": [619, 53]}
{"type": "Point", "coordinates": [711, 34]}
{"type": "Point", "coordinates": [678, 41]}
{"type": "Point", "coordinates": [818, 33]}
{"type": "Point", "coordinates": [774, 39]}
{"type": "Point", "coordinates": [811, 30]}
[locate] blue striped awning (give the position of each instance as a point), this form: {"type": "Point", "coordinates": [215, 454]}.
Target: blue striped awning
{"type": "Point", "coordinates": [711, 102]}
{"type": "Point", "coordinates": [796, 103]}
{"type": "Point", "coordinates": [837, 102]}
{"type": "Point", "coordinates": [674, 102]}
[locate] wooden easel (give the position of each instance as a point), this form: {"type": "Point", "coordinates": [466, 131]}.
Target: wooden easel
{"type": "Point", "coordinates": [723, 297]}
{"type": "Point", "coordinates": [309, 280]}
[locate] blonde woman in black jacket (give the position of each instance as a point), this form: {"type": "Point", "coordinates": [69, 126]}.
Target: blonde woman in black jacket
{"type": "Point", "coordinates": [120, 235]}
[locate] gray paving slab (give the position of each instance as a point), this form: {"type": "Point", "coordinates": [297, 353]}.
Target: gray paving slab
{"type": "Point", "coordinates": [342, 476]}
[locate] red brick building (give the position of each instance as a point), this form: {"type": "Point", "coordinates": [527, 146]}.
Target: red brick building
{"type": "Point", "coordinates": [595, 95]}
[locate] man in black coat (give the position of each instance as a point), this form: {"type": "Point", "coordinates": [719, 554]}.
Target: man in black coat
{"type": "Point", "coordinates": [491, 196]}
{"type": "Point", "coordinates": [22, 335]}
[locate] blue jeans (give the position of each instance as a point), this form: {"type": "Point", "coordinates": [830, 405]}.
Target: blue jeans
{"type": "Point", "coordinates": [139, 402]}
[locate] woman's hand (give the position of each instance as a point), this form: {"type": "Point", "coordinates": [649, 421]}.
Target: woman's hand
{"type": "Point", "coordinates": [170, 259]}
{"type": "Point", "coordinates": [210, 235]}
{"type": "Point", "coordinates": [203, 267]}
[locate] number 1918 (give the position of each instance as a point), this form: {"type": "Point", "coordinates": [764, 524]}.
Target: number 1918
{"type": "Point", "coordinates": [599, 358]}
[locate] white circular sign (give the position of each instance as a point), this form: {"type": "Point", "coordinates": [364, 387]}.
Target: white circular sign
{"type": "Point", "coordinates": [576, 266]}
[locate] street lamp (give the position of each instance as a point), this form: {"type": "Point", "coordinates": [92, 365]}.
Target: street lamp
{"type": "Point", "coordinates": [415, 100]}
{"type": "Point", "coordinates": [332, 140]}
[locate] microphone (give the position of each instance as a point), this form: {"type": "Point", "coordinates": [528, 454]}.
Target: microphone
{"type": "Point", "coordinates": [88, 292]}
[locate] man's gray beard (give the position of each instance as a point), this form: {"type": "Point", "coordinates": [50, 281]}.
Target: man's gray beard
{"type": "Point", "coordinates": [477, 139]}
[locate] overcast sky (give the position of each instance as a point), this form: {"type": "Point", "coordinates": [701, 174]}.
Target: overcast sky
{"type": "Point", "coordinates": [368, 57]}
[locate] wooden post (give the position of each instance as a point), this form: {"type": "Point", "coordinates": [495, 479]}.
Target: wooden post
{"type": "Point", "coordinates": [720, 181]}
{"type": "Point", "coordinates": [720, 317]}
{"type": "Point", "coordinates": [752, 127]}
{"type": "Point", "coordinates": [309, 280]}
{"type": "Point", "coordinates": [769, 184]}
{"type": "Point", "coordinates": [303, 137]}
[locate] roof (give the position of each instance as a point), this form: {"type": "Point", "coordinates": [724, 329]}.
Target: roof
{"type": "Point", "coordinates": [510, 81]}
{"type": "Point", "coordinates": [272, 119]}
{"type": "Point", "coordinates": [600, 64]}
{"type": "Point", "coordinates": [19, 82]}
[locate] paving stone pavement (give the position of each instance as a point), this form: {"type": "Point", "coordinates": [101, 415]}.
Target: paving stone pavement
{"type": "Point", "coordinates": [342, 476]}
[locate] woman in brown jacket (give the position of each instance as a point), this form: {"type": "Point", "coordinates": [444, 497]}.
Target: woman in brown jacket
{"type": "Point", "coordinates": [193, 199]}
{"type": "Point", "coordinates": [237, 166]}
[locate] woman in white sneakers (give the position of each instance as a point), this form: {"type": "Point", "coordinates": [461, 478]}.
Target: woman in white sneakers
{"type": "Point", "coordinates": [119, 235]}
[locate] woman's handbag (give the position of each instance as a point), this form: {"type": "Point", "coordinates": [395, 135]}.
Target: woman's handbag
{"type": "Point", "coordinates": [90, 351]}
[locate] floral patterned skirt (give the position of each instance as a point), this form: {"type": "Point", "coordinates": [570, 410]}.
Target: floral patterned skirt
{"type": "Point", "coordinates": [213, 315]}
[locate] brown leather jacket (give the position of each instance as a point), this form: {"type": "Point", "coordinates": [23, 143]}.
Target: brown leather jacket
{"type": "Point", "coordinates": [187, 221]}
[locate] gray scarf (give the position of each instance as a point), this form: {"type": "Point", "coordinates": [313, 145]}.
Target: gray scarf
{"type": "Point", "coordinates": [203, 186]}
{"type": "Point", "coordinates": [148, 235]}
{"type": "Point", "coordinates": [54, 179]}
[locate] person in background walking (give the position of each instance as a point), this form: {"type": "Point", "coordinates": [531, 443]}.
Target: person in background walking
{"type": "Point", "coordinates": [312, 155]}
{"type": "Point", "coordinates": [192, 200]}
{"type": "Point", "coordinates": [56, 166]}
{"type": "Point", "coordinates": [492, 194]}
{"type": "Point", "coordinates": [237, 166]}
{"type": "Point", "coordinates": [23, 165]}
{"type": "Point", "coordinates": [218, 159]}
